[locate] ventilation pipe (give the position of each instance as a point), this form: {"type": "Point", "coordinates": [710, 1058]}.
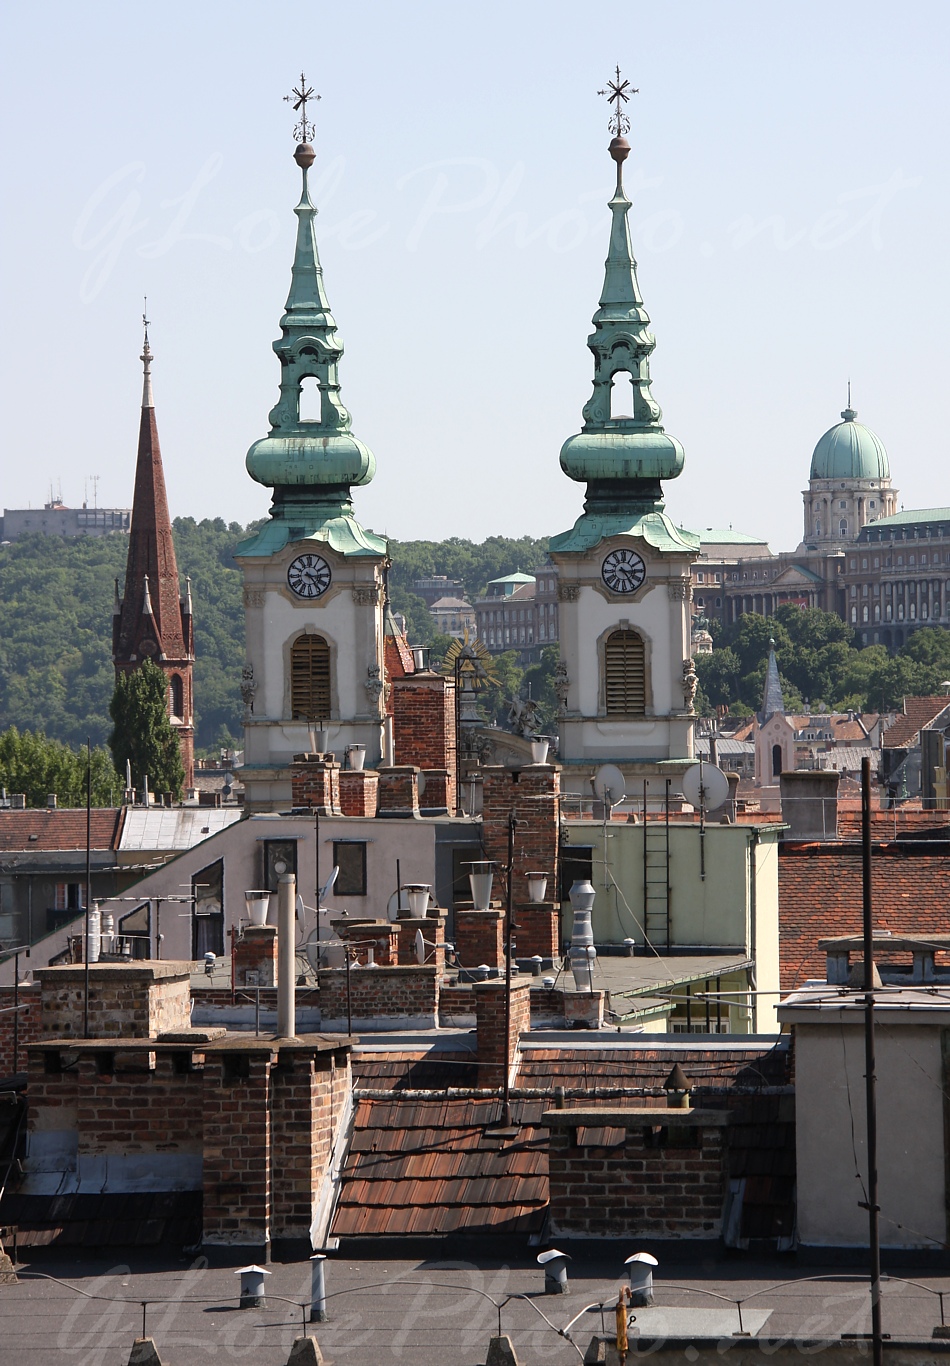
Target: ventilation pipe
{"type": "Point", "coordinates": [554, 1263]}
{"type": "Point", "coordinates": [286, 956]}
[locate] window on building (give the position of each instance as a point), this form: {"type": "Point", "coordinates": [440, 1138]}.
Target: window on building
{"type": "Point", "coordinates": [310, 679]}
{"type": "Point", "coordinates": [843, 526]}
{"type": "Point", "coordinates": [854, 590]}
{"type": "Point", "coordinates": [877, 611]}
{"type": "Point", "coordinates": [136, 925]}
{"type": "Point", "coordinates": [864, 561]}
{"type": "Point", "coordinates": [912, 559]}
{"type": "Point", "coordinates": [176, 696]}
{"type": "Point", "coordinates": [719, 602]}
{"type": "Point", "coordinates": [280, 856]}
{"type": "Point", "coordinates": [864, 590]}
{"type": "Point", "coordinates": [776, 761]}
{"type": "Point", "coordinates": [864, 612]}
{"type": "Point", "coordinates": [625, 673]}
{"type": "Point", "coordinates": [854, 616]}
{"type": "Point", "coordinates": [207, 924]}
{"type": "Point", "coordinates": [700, 577]}
{"type": "Point", "coordinates": [700, 602]}
{"type": "Point", "coordinates": [350, 857]}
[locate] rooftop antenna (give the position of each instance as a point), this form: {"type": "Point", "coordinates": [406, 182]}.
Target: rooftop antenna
{"type": "Point", "coordinates": [95, 489]}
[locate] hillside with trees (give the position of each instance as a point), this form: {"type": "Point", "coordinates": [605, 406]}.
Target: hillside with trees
{"type": "Point", "coordinates": [819, 663]}
{"type": "Point", "coordinates": [56, 595]}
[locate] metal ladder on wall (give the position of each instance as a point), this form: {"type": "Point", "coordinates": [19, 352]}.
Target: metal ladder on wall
{"type": "Point", "coordinates": [656, 873]}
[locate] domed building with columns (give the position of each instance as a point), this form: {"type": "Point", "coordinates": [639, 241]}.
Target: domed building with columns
{"type": "Point", "coordinates": [849, 484]}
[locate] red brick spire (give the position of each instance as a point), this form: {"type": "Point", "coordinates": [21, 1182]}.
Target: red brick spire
{"type": "Point", "coordinates": [153, 620]}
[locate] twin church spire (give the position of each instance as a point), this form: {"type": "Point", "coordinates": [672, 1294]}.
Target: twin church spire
{"type": "Point", "coordinates": [622, 453]}
{"type": "Point", "coordinates": [312, 464]}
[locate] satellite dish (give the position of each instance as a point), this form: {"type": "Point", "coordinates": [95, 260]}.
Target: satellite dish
{"type": "Point", "coordinates": [715, 786]}
{"type": "Point", "coordinates": [327, 887]}
{"type": "Point", "coordinates": [609, 784]}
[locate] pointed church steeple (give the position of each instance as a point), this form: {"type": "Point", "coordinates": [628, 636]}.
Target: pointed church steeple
{"type": "Point", "coordinates": [772, 700]}
{"type": "Point", "coordinates": [149, 621]}
{"type": "Point", "coordinates": [312, 464]}
{"type": "Point", "coordinates": [622, 452]}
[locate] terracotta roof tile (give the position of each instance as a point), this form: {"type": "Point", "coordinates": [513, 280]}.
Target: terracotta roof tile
{"type": "Point", "coordinates": [59, 830]}
{"type": "Point", "coordinates": [918, 712]}
{"type": "Point", "coordinates": [820, 896]}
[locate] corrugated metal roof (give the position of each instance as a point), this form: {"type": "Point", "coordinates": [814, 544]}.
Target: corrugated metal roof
{"type": "Point", "coordinates": [175, 827]}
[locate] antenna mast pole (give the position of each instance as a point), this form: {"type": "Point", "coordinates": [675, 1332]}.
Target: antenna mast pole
{"type": "Point", "coordinates": [874, 1210]}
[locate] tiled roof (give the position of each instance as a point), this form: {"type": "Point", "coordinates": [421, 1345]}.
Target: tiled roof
{"type": "Point", "coordinates": [58, 830]}
{"type": "Point", "coordinates": [895, 823]}
{"type": "Point", "coordinates": [451, 604]}
{"type": "Point", "coordinates": [420, 1167]}
{"type": "Point", "coordinates": [918, 712]}
{"type": "Point", "coordinates": [820, 896]}
{"type": "Point", "coordinates": [414, 1070]}
{"type": "Point", "coordinates": [708, 1069]}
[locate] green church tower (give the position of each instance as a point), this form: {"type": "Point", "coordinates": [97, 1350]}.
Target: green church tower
{"type": "Point", "coordinates": [626, 679]}
{"type": "Point", "coordinates": [313, 576]}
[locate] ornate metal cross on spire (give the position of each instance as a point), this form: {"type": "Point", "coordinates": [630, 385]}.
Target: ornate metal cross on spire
{"type": "Point", "coordinates": [299, 96]}
{"type": "Point", "coordinates": [618, 93]}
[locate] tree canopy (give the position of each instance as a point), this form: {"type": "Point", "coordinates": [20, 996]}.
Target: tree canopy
{"type": "Point", "coordinates": [35, 765]}
{"type": "Point", "coordinates": [819, 663]}
{"type": "Point", "coordinates": [142, 734]}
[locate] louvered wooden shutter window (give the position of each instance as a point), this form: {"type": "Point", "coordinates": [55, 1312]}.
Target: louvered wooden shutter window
{"type": "Point", "coordinates": [310, 679]}
{"type": "Point", "coordinates": [625, 671]}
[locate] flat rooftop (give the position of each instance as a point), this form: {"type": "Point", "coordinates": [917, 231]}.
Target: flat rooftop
{"type": "Point", "coordinates": [430, 1310]}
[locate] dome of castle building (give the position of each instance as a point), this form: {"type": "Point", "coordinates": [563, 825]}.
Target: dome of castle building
{"type": "Point", "coordinates": [849, 450]}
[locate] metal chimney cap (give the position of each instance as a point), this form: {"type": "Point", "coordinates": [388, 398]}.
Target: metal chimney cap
{"type": "Point", "coordinates": [545, 1257]}
{"type": "Point", "coordinates": [642, 1257]}
{"type": "Point", "coordinates": [261, 1270]}
{"type": "Point", "coordinates": [677, 1080]}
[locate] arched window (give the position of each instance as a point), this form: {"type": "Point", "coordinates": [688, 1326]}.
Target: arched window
{"type": "Point", "coordinates": [625, 674]}
{"type": "Point", "coordinates": [776, 761]}
{"type": "Point", "coordinates": [176, 692]}
{"type": "Point", "coordinates": [843, 527]}
{"type": "Point", "coordinates": [310, 679]}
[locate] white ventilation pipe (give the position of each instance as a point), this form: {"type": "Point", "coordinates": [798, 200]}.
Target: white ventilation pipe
{"type": "Point", "coordinates": [286, 955]}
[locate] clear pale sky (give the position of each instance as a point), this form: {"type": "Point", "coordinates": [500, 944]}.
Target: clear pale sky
{"type": "Point", "coordinates": [790, 183]}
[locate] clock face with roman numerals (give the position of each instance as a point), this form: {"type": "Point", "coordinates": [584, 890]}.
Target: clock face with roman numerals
{"type": "Point", "coordinates": [623, 571]}
{"type": "Point", "coordinates": [309, 576]}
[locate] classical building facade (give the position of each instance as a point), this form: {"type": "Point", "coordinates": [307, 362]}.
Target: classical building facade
{"type": "Point", "coordinates": [897, 577]}
{"type": "Point", "coordinates": [849, 492]}
{"type": "Point", "coordinates": [313, 576]}
{"type": "Point", "coordinates": [626, 680]}
{"type": "Point", "coordinates": [152, 618]}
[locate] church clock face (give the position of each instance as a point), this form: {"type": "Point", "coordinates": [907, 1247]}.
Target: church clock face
{"type": "Point", "coordinates": [623, 571]}
{"type": "Point", "coordinates": [309, 576]}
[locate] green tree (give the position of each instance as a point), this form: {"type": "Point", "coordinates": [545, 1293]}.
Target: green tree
{"type": "Point", "coordinates": [37, 766]}
{"type": "Point", "coordinates": [538, 684]}
{"type": "Point", "coordinates": [142, 734]}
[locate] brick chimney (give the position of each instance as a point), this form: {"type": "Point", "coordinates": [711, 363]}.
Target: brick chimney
{"type": "Point", "coordinates": [495, 1053]}
{"type": "Point", "coordinates": [255, 957]}
{"type": "Point", "coordinates": [398, 791]}
{"type": "Point", "coordinates": [532, 793]}
{"type": "Point", "coordinates": [315, 782]}
{"type": "Point", "coordinates": [424, 725]}
{"type": "Point", "coordinates": [359, 791]}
